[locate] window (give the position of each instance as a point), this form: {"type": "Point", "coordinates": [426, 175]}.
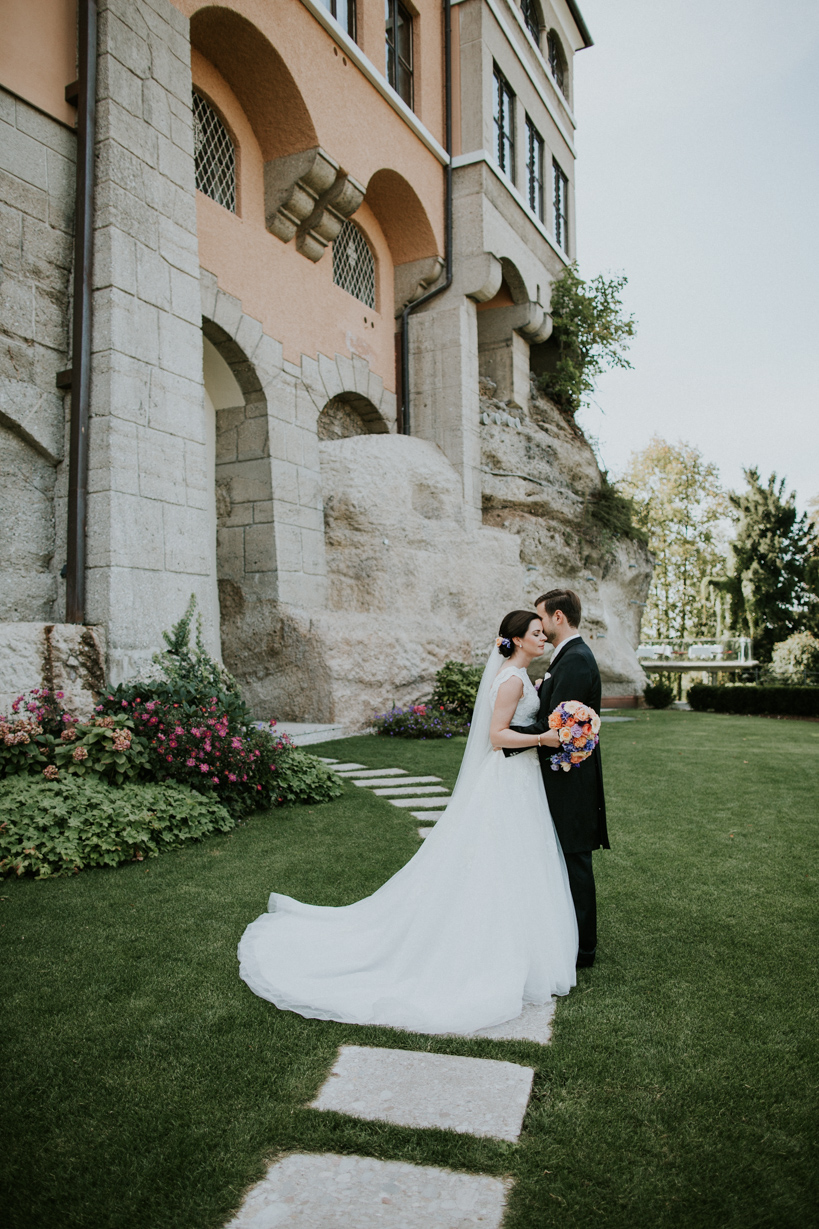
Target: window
{"type": "Point", "coordinates": [534, 169]}
{"type": "Point", "coordinates": [344, 13]}
{"type": "Point", "coordinates": [561, 203]}
{"type": "Point", "coordinates": [399, 49]}
{"type": "Point", "coordinates": [532, 18]}
{"type": "Point", "coordinates": [504, 124]}
{"type": "Point", "coordinates": [214, 155]}
{"type": "Point", "coordinates": [353, 264]}
{"type": "Point", "coordinates": [557, 61]}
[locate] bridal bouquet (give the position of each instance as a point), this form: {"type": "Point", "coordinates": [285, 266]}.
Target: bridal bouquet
{"type": "Point", "coordinates": [578, 729]}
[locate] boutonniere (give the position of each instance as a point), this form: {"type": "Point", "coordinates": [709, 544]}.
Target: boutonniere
{"type": "Point", "coordinates": [543, 680]}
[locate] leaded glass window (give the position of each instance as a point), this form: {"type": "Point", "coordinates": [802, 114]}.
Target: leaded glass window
{"type": "Point", "coordinates": [214, 155]}
{"type": "Point", "coordinates": [353, 264]}
{"type": "Point", "coordinates": [504, 124]}
{"type": "Point", "coordinates": [534, 169]}
{"type": "Point", "coordinates": [561, 207]}
{"type": "Point", "coordinates": [532, 18]}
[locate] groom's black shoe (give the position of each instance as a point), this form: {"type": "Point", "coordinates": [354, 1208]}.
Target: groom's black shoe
{"type": "Point", "coordinates": [585, 959]}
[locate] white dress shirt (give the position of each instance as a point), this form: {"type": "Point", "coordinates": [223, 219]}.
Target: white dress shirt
{"type": "Point", "coordinates": [568, 639]}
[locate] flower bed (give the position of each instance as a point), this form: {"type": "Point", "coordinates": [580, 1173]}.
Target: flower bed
{"type": "Point", "coordinates": [420, 721]}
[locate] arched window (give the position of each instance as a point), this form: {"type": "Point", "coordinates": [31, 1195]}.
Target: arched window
{"type": "Point", "coordinates": [557, 62]}
{"type": "Point", "coordinates": [353, 264]}
{"type": "Point", "coordinates": [214, 155]}
{"type": "Point", "coordinates": [532, 18]}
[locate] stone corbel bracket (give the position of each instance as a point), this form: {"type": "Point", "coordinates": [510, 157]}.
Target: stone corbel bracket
{"type": "Point", "coordinates": [308, 197]}
{"type": "Point", "coordinates": [529, 319]}
{"type": "Point", "coordinates": [414, 278]}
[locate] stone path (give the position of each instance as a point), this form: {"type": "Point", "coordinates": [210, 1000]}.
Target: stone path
{"type": "Point", "coordinates": [410, 1088]}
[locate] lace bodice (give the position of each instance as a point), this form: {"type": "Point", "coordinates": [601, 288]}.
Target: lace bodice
{"type": "Point", "coordinates": [529, 703]}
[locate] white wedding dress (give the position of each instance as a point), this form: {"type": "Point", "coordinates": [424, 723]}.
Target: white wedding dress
{"type": "Point", "coordinates": [479, 922]}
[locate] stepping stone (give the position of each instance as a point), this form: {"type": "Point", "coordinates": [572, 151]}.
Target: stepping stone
{"type": "Point", "coordinates": [316, 1191]}
{"type": "Point", "coordinates": [373, 772]}
{"type": "Point", "coordinates": [433, 815]}
{"type": "Point", "coordinates": [424, 832]}
{"type": "Point", "coordinates": [533, 1024]}
{"type": "Point", "coordinates": [474, 1096]}
{"type": "Point", "coordinates": [345, 767]}
{"type": "Point", "coordinates": [416, 802]}
{"type": "Point", "coordinates": [325, 760]}
{"type": "Point", "coordinates": [395, 791]}
{"type": "Point", "coordinates": [401, 781]}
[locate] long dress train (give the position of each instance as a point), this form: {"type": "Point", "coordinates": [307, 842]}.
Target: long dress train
{"type": "Point", "coordinates": [479, 922]}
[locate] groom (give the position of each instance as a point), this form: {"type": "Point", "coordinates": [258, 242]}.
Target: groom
{"type": "Point", "coordinates": [576, 797]}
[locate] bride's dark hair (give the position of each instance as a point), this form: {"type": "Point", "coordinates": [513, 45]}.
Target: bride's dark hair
{"type": "Point", "coordinates": [516, 623]}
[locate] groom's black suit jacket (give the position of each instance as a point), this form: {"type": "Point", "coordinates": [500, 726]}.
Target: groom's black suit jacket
{"type": "Point", "coordinates": [576, 797]}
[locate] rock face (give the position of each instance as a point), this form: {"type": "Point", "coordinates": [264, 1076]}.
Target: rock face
{"type": "Point", "coordinates": [412, 582]}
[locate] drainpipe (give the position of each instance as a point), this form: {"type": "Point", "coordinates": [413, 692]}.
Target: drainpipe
{"type": "Point", "coordinates": [83, 93]}
{"type": "Point", "coordinates": [447, 282]}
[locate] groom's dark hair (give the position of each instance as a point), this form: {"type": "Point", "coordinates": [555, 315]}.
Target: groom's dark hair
{"type": "Point", "coordinates": [565, 600]}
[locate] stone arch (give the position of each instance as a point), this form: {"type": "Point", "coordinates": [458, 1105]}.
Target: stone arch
{"type": "Point", "coordinates": [259, 78]}
{"type": "Point", "coordinates": [408, 232]}
{"type": "Point", "coordinates": [349, 414]}
{"type": "Point", "coordinates": [240, 475]}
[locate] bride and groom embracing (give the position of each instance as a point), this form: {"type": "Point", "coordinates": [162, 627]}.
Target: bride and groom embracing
{"type": "Point", "coordinates": [497, 908]}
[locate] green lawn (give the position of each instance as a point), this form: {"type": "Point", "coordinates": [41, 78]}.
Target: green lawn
{"type": "Point", "coordinates": [146, 1087]}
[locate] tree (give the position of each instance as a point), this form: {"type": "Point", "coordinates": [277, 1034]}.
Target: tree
{"type": "Point", "coordinates": [772, 572]}
{"type": "Point", "coordinates": [590, 334]}
{"type": "Point", "coordinates": [682, 508]}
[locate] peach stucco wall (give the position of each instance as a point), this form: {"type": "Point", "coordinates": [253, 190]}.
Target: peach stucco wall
{"type": "Point", "coordinates": [38, 53]}
{"type": "Point", "coordinates": [296, 300]}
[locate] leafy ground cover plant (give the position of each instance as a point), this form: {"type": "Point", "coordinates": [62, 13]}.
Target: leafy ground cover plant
{"type": "Point", "coordinates": [54, 827]}
{"type": "Point", "coordinates": [42, 738]}
{"type": "Point", "coordinates": [420, 721]}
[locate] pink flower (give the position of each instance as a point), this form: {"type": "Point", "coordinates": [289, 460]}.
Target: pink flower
{"type": "Point", "coordinates": [232, 776]}
{"type": "Point", "coordinates": [191, 763]}
{"type": "Point", "coordinates": [79, 754]}
{"type": "Point", "coordinates": [236, 743]}
{"type": "Point", "coordinates": [124, 703]}
{"type": "Point", "coordinates": [204, 768]}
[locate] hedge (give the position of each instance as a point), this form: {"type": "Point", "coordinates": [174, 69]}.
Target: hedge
{"type": "Point", "coordinates": [772, 701]}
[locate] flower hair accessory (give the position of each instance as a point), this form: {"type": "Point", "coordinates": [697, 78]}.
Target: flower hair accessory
{"type": "Point", "coordinates": [501, 641]}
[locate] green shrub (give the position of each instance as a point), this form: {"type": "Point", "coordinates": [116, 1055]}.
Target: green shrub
{"type": "Point", "coordinates": [420, 721]}
{"type": "Point", "coordinates": [796, 658]}
{"type": "Point", "coordinates": [301, 777]}
{"type": "Point", "coordinates": [771, 701]}
{"type": "Point", "coordinates": [186, 678]}
{"type": "Point", "coordinates": [107, 747]}
{"type": "Point", "coordinates": [658, 695]}
{"type": "Point", "coordinates": [52, 827]}
{"type": "Point", "coordinates": [456, 687]}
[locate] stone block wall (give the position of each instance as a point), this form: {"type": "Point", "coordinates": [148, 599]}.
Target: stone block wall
{"type": "Point", "coordinates": [149, 522]}
{"type": "Point", "coordinates": [37, 157]}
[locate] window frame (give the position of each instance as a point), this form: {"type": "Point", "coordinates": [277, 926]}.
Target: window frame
{"type": "Point", "coordinates": [535, 145]}
{"type": "Point", "coordinates": [531, 19]}
{"type": "Point", "coordinates": [560, 205]}
{"type": "Point", "coordinates": [558, 64]}
{"type": "Point", "coordinates": [348, 226]}
{"type": "Point", "coordinates": [233, 208]}
{"type": "Point", "coordinates": [393, 10]}
{"type": "Point", "coordinates": [332, 8]}
{"type": "Point", "coordinates": [503, 105]}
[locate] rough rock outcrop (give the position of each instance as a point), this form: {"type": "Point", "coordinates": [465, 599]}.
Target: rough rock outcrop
{"type": "Point", "coordinates": [411, 582]}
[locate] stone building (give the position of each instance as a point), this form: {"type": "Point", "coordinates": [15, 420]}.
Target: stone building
{"type": "Point", "coordinates": [350, 472]}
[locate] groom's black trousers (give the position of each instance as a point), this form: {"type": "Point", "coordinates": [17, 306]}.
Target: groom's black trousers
{"type": "Point", "coordinates": [581, 883]}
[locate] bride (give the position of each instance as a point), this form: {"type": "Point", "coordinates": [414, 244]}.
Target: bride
{"type": "Point", "coordinates": [479, 922]}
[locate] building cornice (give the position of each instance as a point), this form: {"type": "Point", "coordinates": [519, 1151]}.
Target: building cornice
{"type": "Point", "coordinates": [582, 28]}
{"type": "Point", "coordinates": [479, 156]}
{"type": "Point", "coordinates": [377, 79]}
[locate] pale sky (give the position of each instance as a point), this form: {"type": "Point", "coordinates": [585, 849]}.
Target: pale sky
{"type": "Point", "coordinates": [698, 177]}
